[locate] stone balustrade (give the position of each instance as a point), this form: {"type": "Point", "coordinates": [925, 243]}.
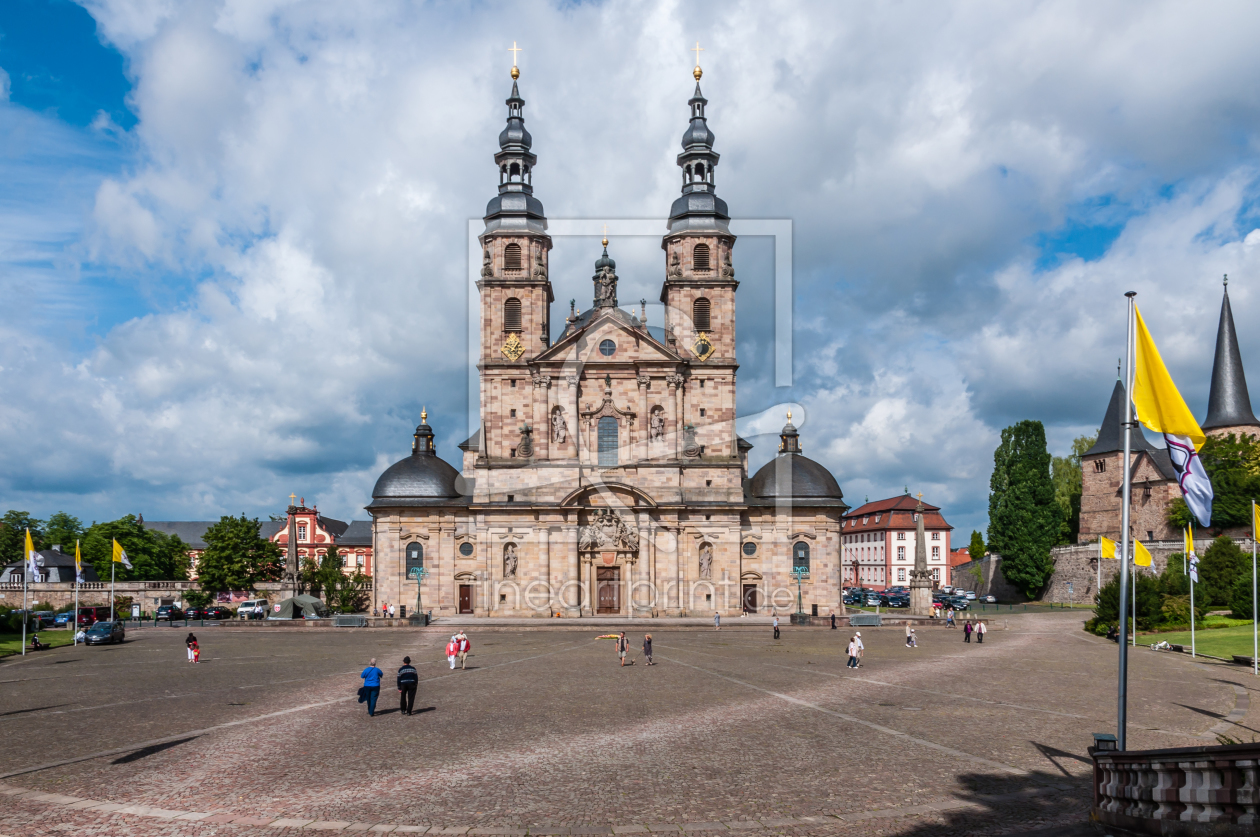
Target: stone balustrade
{"type": "Point", "coordinates": [1185, 791]}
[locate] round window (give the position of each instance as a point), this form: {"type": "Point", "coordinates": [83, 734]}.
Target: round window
{"type": "Point", "coordinates": [750, 548]}
{"type": "Point", "coordinates": [607, 348]}
{"type": "Point", "coordinates": [465, 549]}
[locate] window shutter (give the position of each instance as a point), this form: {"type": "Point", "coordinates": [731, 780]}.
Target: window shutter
{"type": "Point", "coordinates": [512, 315]}
{"type": "Point", "coordinates": [700, 315]}
{"type": "Point", "coordinates": [700, 257]}
{"type": "Point", "coordinates": [512, 257]}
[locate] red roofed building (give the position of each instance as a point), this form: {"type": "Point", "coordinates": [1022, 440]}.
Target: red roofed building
{"type": "Point", "coordinates": [878, 541]}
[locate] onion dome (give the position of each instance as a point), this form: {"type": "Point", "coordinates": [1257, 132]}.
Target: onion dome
{"type": "Point", "coordinates": [420, 479]}
{"type": "Point", "coordinates": [698, 208]}
{"type": "Point", "coordinates": [515, 207]}
{"type": "Point", "coordinates": [793, 476]}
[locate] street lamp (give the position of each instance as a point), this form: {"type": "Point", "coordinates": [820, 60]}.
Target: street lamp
{"type": "Point", "coordinates": [418, 573]}
{"type": "Point", "coordinates": [798, 573]}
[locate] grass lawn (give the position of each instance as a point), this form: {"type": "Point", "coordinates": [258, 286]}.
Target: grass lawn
{"type": "Point", "coordinates": [12, 643]}
{"type": "Point", "coordinates": [1219, 642]}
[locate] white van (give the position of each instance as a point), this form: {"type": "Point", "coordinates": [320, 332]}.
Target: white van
{"type": "Point", "coordinates": [253, 609]}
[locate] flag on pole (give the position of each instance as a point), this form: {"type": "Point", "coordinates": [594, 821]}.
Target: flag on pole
{"type": "Point", "coordinates": [120, 555]}
{"type": "Point", "coordinates": [1141, 555]}
{"type": "Point", "coordinates": [78, 564]}
{"type": "Point", "coordinates": [1194, 559]}
{"type": "Point", "coordinates": [1108, 547]}
{"type": "Point", "coordinates": [1161, 408]}
{"type": "Point", "coordinates": [32, 564]}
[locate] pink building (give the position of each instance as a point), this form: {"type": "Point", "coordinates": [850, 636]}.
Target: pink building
{"type": "Point", "coordinates": [878, 542]}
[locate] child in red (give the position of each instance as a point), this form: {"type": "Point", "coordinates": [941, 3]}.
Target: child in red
{"type": "Point", "coordinates": [196, 649]}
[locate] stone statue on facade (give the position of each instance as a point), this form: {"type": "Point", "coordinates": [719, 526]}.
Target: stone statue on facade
{"type": "Point", "coordinates": [605, 288]}
{"type": "Point", "coordinates": [487, 270]}
{"type": "Point", "coordinates": [608, 531]}
{"type": "Point", "coordinates": [706, 560]}
{"type": "Point", "coordinates": [656, 427]}
{"type": "Point", "coordinates": [525, 448]}
{"type": "Point", "coordinates": [558, 429]}
{"type": "Point", "coordinates": [509, 561]}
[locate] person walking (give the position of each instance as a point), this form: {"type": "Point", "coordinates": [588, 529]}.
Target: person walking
{"type": "Point", "coordinates": [372, 685]}
{"type": "Point", "coordinates": [647, 648]}
{"type": "Point", "coordinates": [464, 647]}
{"type": "Point", "coordinates": [393, 611]}
{"type": "Point", "coordinates": [452, 650]}
{"type": "Point", "coordinates": [623, 645]}
{"type": "Point", "coordinates": [196, 651]}
{"type": "Point", "coordinates": [717, 620]}
{"type": "Point", "coordinates": [912, 641]}
{"type": "Point", "coordinates": [949, 618]}
{"type": "Point", "coordinates": [833, 620]}
{"type": "Point", "coordinates": [861, 649]}
{"type": "Point", "coordinates": [189, 642]}
{"type": "Point", "coordinates": [908, 633]}
{"type": "Point", "coordinates": [967, 631]}
{"type": "Point", "coordinates": [408, 682]}
{"type": "Point", "coordinates": [776, 626]}
{"type": "Point", "coordinates": [384, 609]}
{"type": "Point", "coordinates": [981, 630]}
{"type": "Point", "coordinates": [853, 653]}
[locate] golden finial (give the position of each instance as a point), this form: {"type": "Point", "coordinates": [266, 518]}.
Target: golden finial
{"type": "Point", "coordinates": [789, 415]}
{"type": "Point", "coordinates": [516, 71]}
{"type": "Point", "coordinates": [605, 235]}
{"type": "Point", "coordinates": [697, 72]}
{"type": "Point", "coordinates": [424, 415]}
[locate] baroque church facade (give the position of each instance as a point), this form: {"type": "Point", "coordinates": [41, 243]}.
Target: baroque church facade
{"type": "Point", "coordinates": [607, 476]}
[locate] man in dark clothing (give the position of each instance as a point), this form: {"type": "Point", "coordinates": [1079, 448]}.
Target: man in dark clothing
{"type": "Point", "coordinates": [833, 620]}
{"type": "Point", "coordinates": [408, 680]}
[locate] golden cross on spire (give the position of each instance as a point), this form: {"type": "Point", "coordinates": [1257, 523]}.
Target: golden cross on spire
{"type": "Point", "coordinates": [605, 235]}
{"type": "Point", "coordinates": [920, 496]}
{"type": "Point", "coordinates": [292, 497]}
{"type": "Point", "coordinates": [424, 414]}
{"type": "Point", "coordinates": [697, 72]}
{"type": "Point", "coordinates": [516, 73]}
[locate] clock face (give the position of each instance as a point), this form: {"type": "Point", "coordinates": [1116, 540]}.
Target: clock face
{"type": "Point", "coordinates": [703, 347]}
{"type": "Point", "coordinates": [512, 348]}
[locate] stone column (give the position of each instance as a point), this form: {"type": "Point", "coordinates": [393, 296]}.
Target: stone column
{"type": "Point", "coordinates": [645, 424]}
{"type": "Point", "coordinates": [544, 561]}
{"type": "Point", "coordinates": [734, 434]}
{"type": "Point", "coordinates": [542, 425]}
{"type": "Point", "coordinates": [573, 448]}
{"type": "Point", "coordinates": [553, 451]}
{"type": "Point", "coordinates": [587, 604]}
{"type": "Point", "coordinates": [481, 592]}
{"type": "Point", "coordinates": [574, 575]}
{"type": "Point", "coordinates": [920, 577]}
{"type": "Point", "coordinates": [675, 425]}
{"type": "Point", "coordinates": [644, 577]}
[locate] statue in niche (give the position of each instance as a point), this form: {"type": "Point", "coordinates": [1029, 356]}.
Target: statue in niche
{"type": "Point", "coordinates": [487, 270]}
{"type": "Point", "coordinates": [605, 288]}
{"type": "Point", "coordinates": [728, 270]}
{"type": "Point", "coordinates": [540, 270]}
{"type": "Point", "coordinates": [656, 426]}
{"type": "Point", "coordinates": [509, 561]}
{"type": "Point", "coordinates": [675, 266]}
{"type": "Point", "coordinates": [558, 429]}
{"type": "Point", "coordinates": [706, 560]}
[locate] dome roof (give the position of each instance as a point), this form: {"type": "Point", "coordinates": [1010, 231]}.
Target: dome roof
{"type": "Point", "coordinates": [421, 476]}
{"type": "Point", "coordinates": [796, 477]}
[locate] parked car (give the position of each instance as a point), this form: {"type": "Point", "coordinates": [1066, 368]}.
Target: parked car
{"type": "Point", "coordinates": [170, 613]}
{"type": "Point", "coordinates": [218, 612]}
{"type": "Point", "coordinates": [898, 601]}
{"type": "Point", "coordinates": [89, 616]}
{"type": "Point", "coordinates": [46, 618]}
{"type": "Point", "coordinates": [993, 600]}
{"type": "Point", "coordinates": [947, 588]}
{"type": "Point", "coordinates": [104, 632]}
{"type": "Point", "coordinates": [970, 595]}
{"type": "Point", "coordinates": [194, 613]}
{"type": "Point", "coordinates": [252, 609]}
{"type": "Point", "coordinates": [63, 618]}
{"type": "Point", "coordinates": [960, 603]}
{"type": "Point", "coordinates": [872, 598]}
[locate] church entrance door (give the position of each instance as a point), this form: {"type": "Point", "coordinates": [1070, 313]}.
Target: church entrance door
{"type": "Point", "coordinates": [608, 589]}
{"type": "Point", "coordinates": [465, 598]}
{"type": "Point", "coordinates": [750, 598]}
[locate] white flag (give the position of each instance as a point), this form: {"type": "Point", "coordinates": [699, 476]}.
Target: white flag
{"type": "Point", "coordinates": [1196, 488]}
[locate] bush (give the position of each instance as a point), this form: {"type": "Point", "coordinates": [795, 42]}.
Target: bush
{"type": "Point", "coordinates": [198, 598]}
{"type": "Point", "coordinates": [1150, 604]}
{"type": "Point", "coordinates": [1240, 600]}
{"type": "Point", "coordinates": [1222, 563]}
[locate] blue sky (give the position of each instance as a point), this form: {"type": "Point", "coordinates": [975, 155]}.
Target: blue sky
{"type": "Point", "coordinates": [233, 246]}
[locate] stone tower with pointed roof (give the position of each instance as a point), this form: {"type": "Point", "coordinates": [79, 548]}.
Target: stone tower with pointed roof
{"type": "Point", "coordinates": [1229, 404]}
{"type": "Point", "coordinates": [606, 475]}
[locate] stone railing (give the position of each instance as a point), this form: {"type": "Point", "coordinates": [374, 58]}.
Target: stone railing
{"type": "Point", "coordinates": [1188, 790]}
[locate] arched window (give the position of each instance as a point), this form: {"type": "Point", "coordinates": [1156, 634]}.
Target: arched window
{"type": "Point", "coordinates": [608, 442]}
{"type": "Point", "coordinates": [700, 314]}
{"type": "Point", "coordinates": [700, 257]}
{"type": "Point", "coordinates": [512, 257]}
{"type": "Point", "coordinates": [514, 171]}
{"type": "Point", "coordinates": [800, 556]}
{"type": "Point", "coordinates": [415, 557]}
{"type": "Point", "coordinates": [512, 315]}
{"type": "Point", "coordinates": [699, 171]}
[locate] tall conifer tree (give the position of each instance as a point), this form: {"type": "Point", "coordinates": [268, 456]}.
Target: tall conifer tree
{"type": "Point", "coordinates": [1024, 518]}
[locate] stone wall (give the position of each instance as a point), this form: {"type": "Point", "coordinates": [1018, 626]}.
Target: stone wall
{"type": "Point", "coordinates": [149, 594]}
{"type": "Point", "coordinates": [991, 582]}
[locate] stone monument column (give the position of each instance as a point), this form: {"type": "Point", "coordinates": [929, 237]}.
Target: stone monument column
{"type": "Point", "coordinates": [573, 418]}
{"type": "Point", "coordinates": [675, 427]}
{"type": "Point", "coordinates": [541, 419]}
{"type": "Point", "coordinates": [920, 578]}
{"type": "Point", "coordinates": [571, 583]}
{"type": "Point", "coordinates": [644, 420]}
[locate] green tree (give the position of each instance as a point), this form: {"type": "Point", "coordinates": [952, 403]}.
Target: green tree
{"type": "Point", "coordinates": [198, 598]}
{"type": "Point", "coordinates": [237, 557]}
{"type": "Point", "coordinates": [13, 528]}
{"type": "Point", "coordinates": [1024, 518]}
{"type": "Point", "coordinates": [63, 529]}
{"type": "Point", "coordinates": [976, 549]}
{"type": "Point", "coordinates": [1173, 581]}
{"type": "Point", "coordinates": [154, 556]}
{"type": "Point", "coordinates": [1233, 464]}
{"type": "Point", "coordinates": [1065, 473]}
{"type": "Point", "coordinates": [1150, 604]}
{"type": "Point", "coordinates": [1221, 565]}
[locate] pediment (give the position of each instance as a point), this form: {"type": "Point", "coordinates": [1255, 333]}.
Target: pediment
{"type": "Point", "coordinates": [634, 343]}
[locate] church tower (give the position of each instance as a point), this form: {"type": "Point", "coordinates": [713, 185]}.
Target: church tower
{"type": "Point", "coordinates": [699, 289]}
{"type": "Point", "coordinates": [1229, 405]}
{"type": "Point", "coordinates": [516, 293]}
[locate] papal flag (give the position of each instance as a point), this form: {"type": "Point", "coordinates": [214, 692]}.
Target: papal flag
{"type": "Point", "coordinates": [120, 555]}
{"type": "Point", "coordinates": [78, 564]}
{"type": "Point", "coordinates": [1161, 408]}
{"type": "Point", "coordinates": [1141, 555]}
{"type": "Point", "coordinates": [32, 562]}
{"type": "Point", "coordinates": [1194, 559]}
{"type": "Point", "coordinates": [1108, 547]}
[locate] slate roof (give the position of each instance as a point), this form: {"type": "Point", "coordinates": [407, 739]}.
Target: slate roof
{"type": "Point", "coordinates": [59, 567]}
{"type": "Point", "coordinates": [1111, 434]}
{"type": "Point", "coordinates": [191, 532]}
{"type": "Point", "coordinates": [358, 533]}
{"type": "Point", "coordinates": [1229, 404]}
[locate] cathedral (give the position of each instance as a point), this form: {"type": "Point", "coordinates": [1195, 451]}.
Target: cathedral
{"type": "Point", "coordinates": [607, 476]}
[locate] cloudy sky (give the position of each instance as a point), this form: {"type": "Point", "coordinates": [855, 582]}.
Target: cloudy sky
{"type": "Point", "coordinates": [233, 233]}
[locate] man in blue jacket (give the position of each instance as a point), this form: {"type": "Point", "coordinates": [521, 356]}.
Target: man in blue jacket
{"type": "Point", "coordinates": [408, 681]}
{"type": "Point", "coordinates": [372, 685]}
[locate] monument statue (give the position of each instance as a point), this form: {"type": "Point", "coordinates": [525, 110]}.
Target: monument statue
{"type": "Point", "coordinates": [706, 560]}
{"type": "Point", "coordinates": [656, 426]}
{"type": "Point", "coordinates": [920, 578]}
{"type": "Point", "coordinates": [608, 531]}
{"type": "Point", "coordinates": [509, 561]}
{"type": "Point", "coordinates": [558, 429]}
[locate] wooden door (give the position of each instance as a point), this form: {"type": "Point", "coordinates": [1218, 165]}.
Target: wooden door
{"type": "Point", "coordinates": [465, 598]}
{"type": "Point", "coordinates": [750, 598]}
{"type": "Point", "coordinates": [608, 589]}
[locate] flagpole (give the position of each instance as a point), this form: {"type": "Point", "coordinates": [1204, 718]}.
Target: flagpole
{"type": "Point", "coordinates": [1255, 626]}
{"type": "Point", "coordinates": [1134, 597]}
{"type": "Point", "coordinates": [1193, 572]}
{"type": "Point", "coordinates": [26, 573]}
{"type": "Point", "coordinates": [74, 620]}
{"type": "Point", "coordinates": [1122, 696]}
{"type": "Point", "coordinates": [111, 591]}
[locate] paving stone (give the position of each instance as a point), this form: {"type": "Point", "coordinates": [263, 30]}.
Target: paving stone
{"type": "Point", "coordinates": [326, 825]}
{"type": "Point", "coordinates": [290, 823]}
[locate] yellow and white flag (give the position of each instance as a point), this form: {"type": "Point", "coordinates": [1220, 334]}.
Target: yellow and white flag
{"type": "Point", "coordinates": [78, 564]}
{"type": "Point", "coordinates": [1194, 559]}
{"type": "Point", "coordinates": [120, 555]}
{"type": "Point", "coordinates": [1108, 547]}
{"type": "Point", "coordinates": [1161, 408]}
{"type": "Point", "coordinates": [1141, 555]}
{"type": "Point", "coordinates": [32, 563]}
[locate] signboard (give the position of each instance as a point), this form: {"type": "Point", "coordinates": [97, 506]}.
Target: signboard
{"type": "Point", "coordinates": [135, 611]}
{"type": "Point", "coordinates": [415, 572]}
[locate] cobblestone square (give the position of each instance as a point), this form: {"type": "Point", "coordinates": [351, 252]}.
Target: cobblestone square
{"type": "Point", "coordinates": [546, 734]}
